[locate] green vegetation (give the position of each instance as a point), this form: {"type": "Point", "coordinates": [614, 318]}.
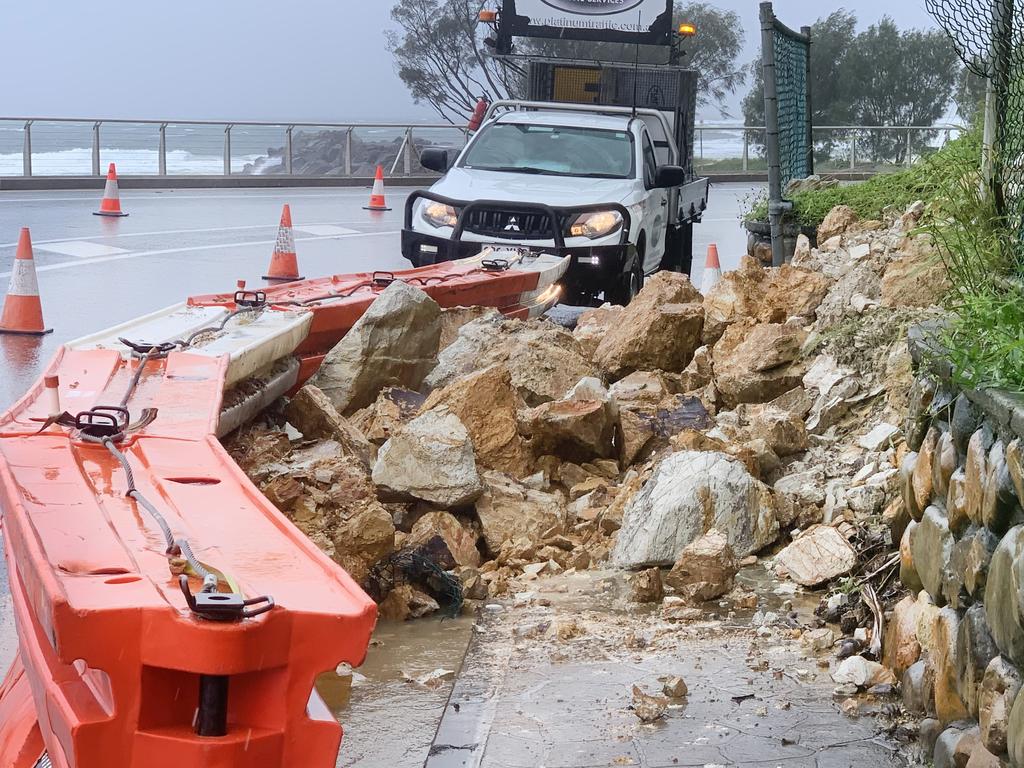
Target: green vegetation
{"type": "Point", "coordinates": [870, 199]}
{"type": "Point", "coordinates": [984, 256]}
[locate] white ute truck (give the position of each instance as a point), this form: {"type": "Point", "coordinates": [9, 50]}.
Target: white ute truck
{"type": "Point", "coordinates": [607, 185]}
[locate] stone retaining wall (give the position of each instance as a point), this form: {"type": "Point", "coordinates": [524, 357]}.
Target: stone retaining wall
{"type": "Point", "coordinates": [959, 644]}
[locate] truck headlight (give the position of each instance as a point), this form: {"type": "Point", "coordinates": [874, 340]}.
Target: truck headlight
{"type": "Point", "coordinates": [596, 224]}
{"type": "Point", "coordinates": [440, 215]}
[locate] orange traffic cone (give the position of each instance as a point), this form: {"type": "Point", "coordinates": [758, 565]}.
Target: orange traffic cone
{"type": "Point", "coordinates": [111, 204]}
{"type": "Point", "coordinates": [284, 264]}
{"type": "Point", "coordinates": [377, 202]}
{"type": "Point", "coordinates": [23, 312]}
{"type": "Point", "coordinates": [712, 270]}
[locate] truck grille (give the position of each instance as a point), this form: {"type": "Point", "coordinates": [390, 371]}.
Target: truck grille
{"type": "Point", "coordinates": [511, 226]}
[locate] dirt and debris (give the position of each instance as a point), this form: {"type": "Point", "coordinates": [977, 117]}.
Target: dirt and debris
{"type": "Point", "coordinates": [681, 441]}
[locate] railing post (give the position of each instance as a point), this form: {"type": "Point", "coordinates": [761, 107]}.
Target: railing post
{"type": "Point", "coordinates": [227, 149]}
{"type": "Point", "coordinates": [348, 152]}
{"type": "Point", "coordinates": [910, 147]}
{"type": "Point", "coordinates": [853, 150]}
{"type": "Point", "coordinates": [288, 150]}
{"type": "Point", "coordinates": [746, 150]}
{"type": "Point", "coordinates": [96, 148]}
{"type": "Point", "coordinates": [408, 151]}
{"type": "Point", "coordinates": [26, 152]}
{"type": "Point", "coordinates": [161, 154]}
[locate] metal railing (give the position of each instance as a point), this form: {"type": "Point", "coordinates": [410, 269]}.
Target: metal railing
{"type": "Point", "coordinates": [74, 146]}
{"type": "Point", "coordinates": [837, 147]}
{"type": "Point", "coordinates": [37, 146]}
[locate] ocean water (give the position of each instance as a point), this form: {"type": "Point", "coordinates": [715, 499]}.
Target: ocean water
{"type": "Point", "coordinates": [65, 149]}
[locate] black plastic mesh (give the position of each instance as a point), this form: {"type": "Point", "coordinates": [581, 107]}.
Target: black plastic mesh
{"type": "Point", "coordinates": [427, 567]}
{"type": "Point", "coordinates": [791, 56]}
{"type": "Point", "coordinates": [989, 37]}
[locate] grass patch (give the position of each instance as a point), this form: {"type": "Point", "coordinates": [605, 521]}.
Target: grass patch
{"type": "Point", "coordinates": [888, 191]}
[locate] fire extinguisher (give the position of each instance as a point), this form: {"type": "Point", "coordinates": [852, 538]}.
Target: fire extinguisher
{"type": "Point", "coordinates": [478, 114]}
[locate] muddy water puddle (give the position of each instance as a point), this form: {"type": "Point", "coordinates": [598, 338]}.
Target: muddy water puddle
{"type": "Point", "coordinates": [389, 721]}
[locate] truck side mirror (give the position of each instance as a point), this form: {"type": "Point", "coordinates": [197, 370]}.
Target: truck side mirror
{"type": "Point", "coordinates": [669, 176]}
{"type": "Point", "coordinates": [434, 159]}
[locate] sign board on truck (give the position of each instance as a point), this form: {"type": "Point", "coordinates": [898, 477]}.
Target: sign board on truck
{"type": "Point", "coordinates": [623, 21]}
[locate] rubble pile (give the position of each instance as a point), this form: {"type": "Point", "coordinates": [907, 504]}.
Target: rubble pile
{"type": "Point", "coordinates": [760, 424]}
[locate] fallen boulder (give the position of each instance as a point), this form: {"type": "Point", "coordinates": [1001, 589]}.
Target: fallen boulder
{"type": "Point", "coordinates": [659, 330]}
{"type": "Point", "coordinates": [793, 292]}
{"type": "Point", "coordinates": [392, 408]}
{"type": "Point", "coordinates": [756, 363]}
{"type": "Point", "coordinates": [487, 405]}
{"type": "Point", "coordinates": [737, 296]}
{"type": "Point", "coordinates": [363, 539]}
{"type": "Point", "coordinates": [819, 555]}
{"type": "Point", "coordinates": [508, 510]}
{"type": "Point", "coordinates": [918, 278]}
{"type": "Point", "coordinates": [311, 412]}
{"type": "Point", "coordinates": [395, 342]}
{"type": "Point", "coordinates": [706, 569]}
{"type": "Point", "coordinates": [544, 361]}
{"type": "Point", "coordinates": [461, 542]}
{"type": "Point", "coordinates": [689, 494]}
{"type": "Point", "coordinates": [836, 222]}
{"type": "Point", "coordinates": [430, 458]}
{"type": "Point", "coordinates": [577, 430]}
{"type": "Point", "coordinates": [593, 325]}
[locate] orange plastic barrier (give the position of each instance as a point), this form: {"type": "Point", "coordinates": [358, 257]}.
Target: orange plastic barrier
{"type": "Point", "coordinates": [113, 656]}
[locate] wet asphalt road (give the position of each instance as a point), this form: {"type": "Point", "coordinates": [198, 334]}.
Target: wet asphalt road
{"type": "Point", "coordinates": [95, 272]}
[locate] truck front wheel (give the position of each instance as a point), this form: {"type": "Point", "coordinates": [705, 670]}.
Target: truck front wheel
{"type": "Point", "coordinates": [628, 285]}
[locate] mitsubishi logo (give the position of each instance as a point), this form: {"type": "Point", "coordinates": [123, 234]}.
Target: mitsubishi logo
{"type": "Point", "coordinates": [513, 225]}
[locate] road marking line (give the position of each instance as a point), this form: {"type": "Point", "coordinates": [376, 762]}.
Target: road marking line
{"type": "Point", "coordinates": [324, 230]}
{"type": "Point", "coordinates": [81, 249]}
{"type": "Point", "coordinates": [164, 251]}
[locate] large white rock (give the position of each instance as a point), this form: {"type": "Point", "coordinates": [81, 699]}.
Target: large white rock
{"type": "Point", "coordinates": [394, 343]}
{"type": "Point", "coordinates": [819, 555]}
{"type": "Point", "coordinates": [690, 493]}
{"type": "Point", "coordinates": [430, 458]}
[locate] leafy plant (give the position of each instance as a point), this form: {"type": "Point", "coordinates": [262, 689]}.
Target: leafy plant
{"type": "Point", "coordinates": [887, 191]}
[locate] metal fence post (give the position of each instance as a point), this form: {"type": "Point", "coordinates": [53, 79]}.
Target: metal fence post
{"type": "Point", "coordinates": [227, 149]}
{"type": "Point", "coordinates": [161, 155]}
{"type": "Point", "coordinates": [746, 150]}
{"type": "Point", "coordinates": [853, 150]}
{"type": "Point", "coordinates": [96, 149]}
{"type": "Point", "coordinates": [910, 147]}
{"type": "Point", "coordinates": [288, 155]}
{"type": "Point", "coordinates": [806, 32]}
{"type": "Point", "coordinates": [26, 151]}
{"type": "Point", "coordinates": [348, 152]}
{"type": "Point", "coordinates": [776, 207]}
{"type": "Point", "coordinates": [408, 151]}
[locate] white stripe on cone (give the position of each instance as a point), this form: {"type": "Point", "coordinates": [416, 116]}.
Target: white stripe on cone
{"type": "Point", "coordinates": [23, 279]}
{"type": "Point", "coordinates": [378, 186]}
{"type": "Point", "coordinates": [711, 278]}
{"type": "Point", "coordinates": [110, 191]}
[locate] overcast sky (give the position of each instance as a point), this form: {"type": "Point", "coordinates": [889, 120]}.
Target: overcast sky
{"type": "Point", "coordinates": [298, 60]}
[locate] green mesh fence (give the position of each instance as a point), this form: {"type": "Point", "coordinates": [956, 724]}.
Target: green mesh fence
{"type": "Point", "coordinates": [989, 37]}
{"type": "Point", "coordinates": [791, 69]}
{"type": "Point", "coordinates": [786, 62]}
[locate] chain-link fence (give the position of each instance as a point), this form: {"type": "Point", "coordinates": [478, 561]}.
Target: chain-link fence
{"type": "Point", "coordinates": [786, 61]}
{"type": "Point", "coordinates": [989, 37]}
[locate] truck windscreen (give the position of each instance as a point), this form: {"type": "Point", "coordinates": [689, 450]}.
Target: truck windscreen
{"type": "Point", "coordinates": [553, 151]}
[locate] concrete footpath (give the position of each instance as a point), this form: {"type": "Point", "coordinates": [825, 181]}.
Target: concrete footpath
{"type": "Point", "coordinates": [551, 684]}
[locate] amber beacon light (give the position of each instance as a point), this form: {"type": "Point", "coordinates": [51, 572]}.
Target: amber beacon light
{"type": "Point", "coordinates": [687, 30]}
{"type": "Point", "coordinates": [488, 17]}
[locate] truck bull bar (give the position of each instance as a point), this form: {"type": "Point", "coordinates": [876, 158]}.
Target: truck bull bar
{"type": "Point", "coordinates": [554, 214]}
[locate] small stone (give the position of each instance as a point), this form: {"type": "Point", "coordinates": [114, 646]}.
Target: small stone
{"type": "Point", "coordinates": [819, 640]}
{"type": "Point", "coordinates": [932, 547]}
{"type": "Point", "coordinates": [648, 708]}
{"type": "Point", "coordinates": [901, 648]}
{"type": "Point", "coordinates": [676, 609]}
{"type": "Point", "coordinates": [850, 708]}
{"type": "Point", "coordinates": [953, 748]}
{"type": "Point", "coordinates": [675, 688]}
{"type": "Point", "coordinates": [879, 437]}
{"type": "Point", "coordinates": [857, 670]}
{"type": "Point", "coordinates": [646, 586]}
{"type": "Point", "coordinates": [976, 471]}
